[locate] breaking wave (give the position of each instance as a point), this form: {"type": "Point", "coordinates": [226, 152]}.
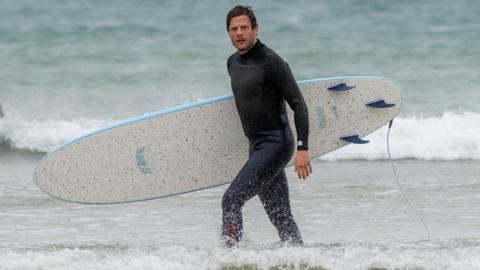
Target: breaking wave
{"type": "Point", "coordinates": [449, 137]}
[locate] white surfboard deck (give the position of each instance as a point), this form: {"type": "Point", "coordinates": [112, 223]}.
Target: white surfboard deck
{"type": "Point", "coordinates": [200, 145]}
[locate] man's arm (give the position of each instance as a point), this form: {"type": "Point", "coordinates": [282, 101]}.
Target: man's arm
{"type": "Point", "coordinates": [283, 80]}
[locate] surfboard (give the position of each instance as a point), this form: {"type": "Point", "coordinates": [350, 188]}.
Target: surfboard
{"type": "Point", "coordinates": [202, 144]}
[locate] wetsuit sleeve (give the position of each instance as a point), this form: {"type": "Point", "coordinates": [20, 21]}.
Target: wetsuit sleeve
{"type": "Point", "coordinates": [279, 73]}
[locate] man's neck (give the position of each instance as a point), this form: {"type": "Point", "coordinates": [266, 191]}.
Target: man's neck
{"type": "Point", "coordinates": [247, 50]}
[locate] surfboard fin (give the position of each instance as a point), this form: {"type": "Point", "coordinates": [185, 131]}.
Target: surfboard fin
{"type": "Point", "coordinates": [353, 139]}
{"type": "Point", "coordinates": [379, 103]}
{"type": "Point", "coordinates": [341, 87]}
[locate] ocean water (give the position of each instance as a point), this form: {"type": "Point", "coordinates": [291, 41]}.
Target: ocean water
{"type": "Point", "coordinates": [69, 67]}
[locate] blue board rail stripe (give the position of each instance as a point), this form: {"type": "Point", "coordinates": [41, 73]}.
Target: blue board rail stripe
{"type": "Point", "coordinates": [187, 106]}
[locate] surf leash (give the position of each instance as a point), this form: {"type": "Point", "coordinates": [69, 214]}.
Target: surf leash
{"type": "Point", "coordinates": [400, 186]}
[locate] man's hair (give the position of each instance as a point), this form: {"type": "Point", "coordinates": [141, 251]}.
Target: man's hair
{"type": "Point", "coordinates": [239, 11]}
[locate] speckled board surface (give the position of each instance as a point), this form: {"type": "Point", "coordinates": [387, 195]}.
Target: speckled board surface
{"type": "Point", "coordinates": [200, 145]}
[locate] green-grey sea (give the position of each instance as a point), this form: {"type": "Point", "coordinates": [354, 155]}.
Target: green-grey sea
{"type": "Point", "coordinates": [69, 67]}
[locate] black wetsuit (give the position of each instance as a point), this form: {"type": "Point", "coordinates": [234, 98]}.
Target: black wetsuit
{"type": "Point", "coordinates": [261, 82]}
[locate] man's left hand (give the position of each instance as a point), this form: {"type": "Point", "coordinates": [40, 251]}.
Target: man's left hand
{"type": "Point", "coordinates": [302, 164]}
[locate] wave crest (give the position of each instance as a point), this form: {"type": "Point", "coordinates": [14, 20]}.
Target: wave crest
{"type": "Point", "coordinates": [43, 136]}
{"type": "Point", "coordinates": [448, 137]}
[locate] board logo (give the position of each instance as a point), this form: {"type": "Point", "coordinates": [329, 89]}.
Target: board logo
{"type": "Point", "coordinates": [142, 165]}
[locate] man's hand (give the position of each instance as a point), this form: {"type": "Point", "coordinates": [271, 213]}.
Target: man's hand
{"type": "Point", "coordinates": [302, 164]}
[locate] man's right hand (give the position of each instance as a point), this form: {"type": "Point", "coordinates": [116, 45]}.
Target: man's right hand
{"type": "Point", "coordinates": [303, 167]}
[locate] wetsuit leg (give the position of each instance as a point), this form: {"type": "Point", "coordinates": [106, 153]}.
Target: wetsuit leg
{"type": "Point", "coordinates": [269, 153]}
{"type": "Point", "coordinates": [275, 200]}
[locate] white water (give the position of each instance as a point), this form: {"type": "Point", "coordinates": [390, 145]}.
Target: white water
{"type": "Point", "coordinates": [438, 255]}
{"type": "Point", "coordinates": [449, 137]}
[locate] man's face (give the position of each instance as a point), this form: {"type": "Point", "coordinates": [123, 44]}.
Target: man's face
{"type": "Point", "coordinates": [241, 33]}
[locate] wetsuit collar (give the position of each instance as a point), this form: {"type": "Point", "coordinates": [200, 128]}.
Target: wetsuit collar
{"type": "Point", "coordinates": [252, 50]}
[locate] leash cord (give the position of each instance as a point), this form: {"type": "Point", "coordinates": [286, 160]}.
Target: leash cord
{"type": "Point", "coordinates": [400, 186]}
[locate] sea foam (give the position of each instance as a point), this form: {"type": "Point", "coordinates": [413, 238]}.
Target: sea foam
{"type": "Point", "coordinates": [448, 137]}
{"type": "Point", "coordinates": [44, 136]}
{"type": "Point", "coordinates": [455, 254]}
{"type": "Point", "coordinates": [452, 136]}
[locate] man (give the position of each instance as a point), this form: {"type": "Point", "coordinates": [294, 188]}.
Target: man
{"type": "Point", "coordinates": [261, 82]}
